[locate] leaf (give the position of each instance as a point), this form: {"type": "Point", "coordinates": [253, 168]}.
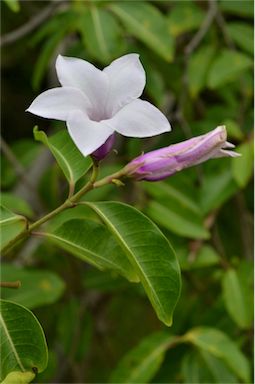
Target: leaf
{"type": "Point", "coordinates": [13, 5]}
{"type": "Point", "coordinates": [141, 363]}
{"type": "Point", "coordinates": [23, 344]}
{"type": "Point", "coordinates": [91, 242]}
{"type": "Point", "coordinates": [148, 251]}
{"type": "Point", "coordinates": [198, 66]}
{"type": "Point", "coordinates": [16, 203]}
{"type": "Point", "coordinates": [239, 8]}
{"type": "Point", "coordinates": [221, 72]}
{"type": "Point", "coordinates": [146, 23]}
{"type": "Point", "coordinates": [233, 129]}
{"type": "Point", "coordinates": [101, 34]}
{"type": "Point", "coordinates": [242, 167]}
{"type": "Point", "coordinates": [220, 345]}
{"type": "Point", "coordinates": [37, 287]}
{"type": "Point", "coordinates": [206, 256]}
{"type": "Point", "coordinates": [184, 17]}
{"type": "Point", "coordinates": [11, 226]}
{"type": "Point", "coordinates": [202, 367]}
{"type": "Point", "coordinates": [73, 164]}
{"type": "Point", "coordinates": [18, 378]}
{"type": "Point", "coordinates": [177, 220]}
{"type": "Point", "coordinates": [236, 294]}
{"type": "Point", "coordinates": [242, 35]}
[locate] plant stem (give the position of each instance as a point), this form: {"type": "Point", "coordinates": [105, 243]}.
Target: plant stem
{"type": "Point", "coordinates": [10, 284]}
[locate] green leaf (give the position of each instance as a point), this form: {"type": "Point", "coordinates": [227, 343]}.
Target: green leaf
{"type": "Point", "coordinates": [37, 287]}
{"type": "Point", "coordinates": [198, 67]}
{"type": "Point", "coordinates": [91, 242]}
{"type": "Point", "coordinates": [221, 72]}
{"type": "Point", "coordinates": [23, 344]}
{"type": "Point", "coordinates": [206, 256]}
{"type": "Point", "coordinates": [16, 203]}
{"type": "Point", "coordinates": [73, 164]}
{"type": "Point", "coordinates": [233, 129]}
{"type": "Point", "coordinates": [220, 345]}
{"type": "Point", "coordinates": [242, 167]}
{"type": "Point", "coordinates": [202, 367]}
{"type": "Point", "coordinates": [11, 226]}
{"type": "Point", "coordinates": [14, 5]}
{"type": "Point", "coordinates": [185, 17]}
{"type": "Point", "coordinates": [239, 8]}
{"type": "Point", "coordinates": [148, 251]}
{"type": "Point", "coordinates": [141, 363]}
{"type": "Point", "coordinates": [101, 34]}
{"type": "Point", "coordinates": [237, 297]}
{"type": "Point", "coordinates": [177, 220]}
{"type": "Point", "coordinates": [146, 23]}
{"type": "Point", "coordinates": [19, 378]}
{"type": "Point", "coordinates": [242, 35]}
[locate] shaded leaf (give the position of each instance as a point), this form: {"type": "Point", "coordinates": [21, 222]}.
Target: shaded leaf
{"type": "Point", "coordinates": [23, 344]}
{"type": "Point", "coordinates": [239, 8]}
{"type": "Point", "coordinates": [221, 72]}
{"type": "Point", "coordinates": [148, 251]}
{"type": "Point", "coordinates": [146, 23]}
{"type": "Point", "coordinates": [184, 17]}
{"type": "Point", "coordinates": [242, 35]}
{"type": "Point", "coordinates": [242, 167]}
{"type": "Point", "coordinates": [206, 256]}
{"type": "Point", "coordinates": [71, 161]}
{"type": "Point", "coordinates": [14, 5]}
{"type": "Point", "coordinates": [141, 363]}
{"type": "Point", "coordinates": [16, 203]}
{"type": "Point", "coordinates": [11, 225]}
{"type": "Point", "coordinates": [37, 287]}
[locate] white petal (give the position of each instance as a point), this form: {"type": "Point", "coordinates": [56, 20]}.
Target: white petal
{"type": "Point", "coordinates": [140, 119]}
{"type": "Point", "coordinates": [127, 81]}
{"type": "Point", "coordinates": [57, 103]}
{"type": "Point", "coordinates": [87, 135]}
{"type": "Point", "coordinates": [81, 74]}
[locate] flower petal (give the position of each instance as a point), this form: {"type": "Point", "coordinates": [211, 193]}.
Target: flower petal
{"type": "Point", "coordinates": [126, 80]}
{"type": "Point", "coordinates": [57, 103]}
{"type": "Point", "coordinates": [81, 74]}
{"type": "Point", "coordinates": [140, 119]}
{"type": "Point", "coordinates": [87, 135]}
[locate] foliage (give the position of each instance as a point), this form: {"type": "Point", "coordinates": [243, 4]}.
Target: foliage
{"type": "Point", "coordinates": [86, 272]}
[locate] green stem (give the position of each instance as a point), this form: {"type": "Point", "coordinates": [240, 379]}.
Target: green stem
{"type": "Point", "coordinates": [71, 201]}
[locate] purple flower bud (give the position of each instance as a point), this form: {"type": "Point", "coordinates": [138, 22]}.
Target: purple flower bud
{"type": "Point", "coordinates": [103, 151]}
{"type": "Point", "coordinates": [164, 162]}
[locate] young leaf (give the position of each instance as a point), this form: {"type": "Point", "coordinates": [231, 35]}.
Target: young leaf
{"type": "Point", "coordinates": [148, 251]}
{"type": "Point", "coordinates": [11, 226]}
{"type": "Point", "coordinates": [141, 363]}
{"type": "Point", "coordinates": [242, 170]}
{"type": "Point", "coordinates": [220, 345]}
{"type": "Point", "coordinates": [221, 72]}
{"type": "Point", "coordinates": [23, 344]}
{"type": "Point", "coordinates": [146, 23]}
{"type": "Point", "coordinates": [73, 164]}
{"type": "Point", "coordinates": [101, 34]}
{"type": "Point", "coordinates": [236, 294]}
{"type": "Point", "coordinates": [37, 287]}
{"type": "Point", "coordinates": [91, 242]}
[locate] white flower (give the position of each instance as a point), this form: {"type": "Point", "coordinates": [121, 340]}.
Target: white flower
{"type": "Point", "coordinates": [96, 103]}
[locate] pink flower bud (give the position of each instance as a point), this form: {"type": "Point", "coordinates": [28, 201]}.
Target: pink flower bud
{"type": "Point", "coordinates": [164, 162]}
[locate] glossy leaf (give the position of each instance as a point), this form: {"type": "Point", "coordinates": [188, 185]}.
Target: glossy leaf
{"type": "Point", "coordinates": [242, 170]}
{"type": "Point", "coordinates": [242, 35]}
{"type": "Point", "coordinates": [148, 251]}
{"type": "Point", "coordinates": [178, 221]}
{"type": "Point", "coordinates": [146, 23]}
{"type": "Point", "coordinates": [220, 345]}
{"type": "Point", "coordinates": [16, 203]}
{"type": "Point", "coordinates": [23, 344]}
{"type": "Point", "coordinates": [101, 34]}
{"type": "Point", "coordinates": [198, 67]}
{"type": "Point", "coordinates": [11, 225]}
{"type": "Point", "coordinates": [141, 363]}
{"type": "Point", "coordinates": [184, 17]}
{"type": "Point", "coordinates": [71, 161]}
{"type": "Point", "coordinates": [91, 242]}
{"type": "Point", "coordinates": [38, 287]}
{"type": "Point", "coordinates": [221, 72]}
{"type": "Point", "coordinates": [237, 297]}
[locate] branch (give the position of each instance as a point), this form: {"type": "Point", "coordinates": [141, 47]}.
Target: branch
{"type": "Point", "coordinates": [28, 27]}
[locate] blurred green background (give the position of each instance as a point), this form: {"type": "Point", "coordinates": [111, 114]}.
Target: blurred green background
{"type": "Point", "coordinates": [198, 58]}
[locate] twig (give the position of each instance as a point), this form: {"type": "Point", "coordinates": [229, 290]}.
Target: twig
{"type": "Point", "coordinates": [28, 27]}
{"type": "Point", "coordinates": [10, 284]}
{"type": "Point", "coordinates": [203, 29]}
